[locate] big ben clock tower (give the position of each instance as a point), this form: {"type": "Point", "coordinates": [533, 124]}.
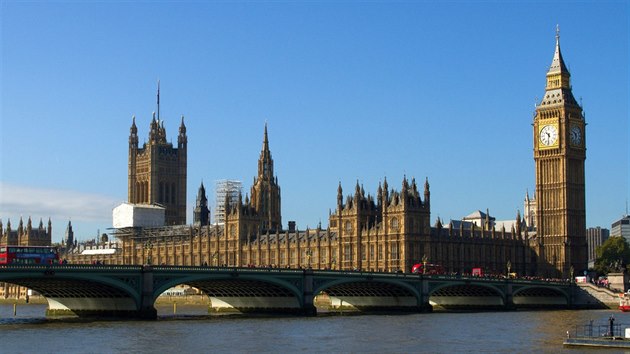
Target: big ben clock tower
{"type": "Point", "coordinates": [559, 155]}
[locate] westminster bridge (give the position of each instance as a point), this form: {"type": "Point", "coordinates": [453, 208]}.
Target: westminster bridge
{"type": "Point", "coordinates": [131, 291]}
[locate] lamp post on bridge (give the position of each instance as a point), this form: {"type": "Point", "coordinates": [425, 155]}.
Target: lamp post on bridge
{"type": "Point", "coordinates": [149, 247]}
{"type": "Point", "coordinates": [425, 259]}
{"type": "Point", "coordinates": [509, 267]}
{"type": "Point", "coordinates": [214, 259]}
{"type": "Point", "coordinates": [309, 254]}
{"type": "Point", "coordinates": [333, 262]}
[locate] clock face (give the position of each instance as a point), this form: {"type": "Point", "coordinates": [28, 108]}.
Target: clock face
{"type": "Point", "coordinates": [549, 135]}
{"type": "Point", "coordinates": [575, 135]}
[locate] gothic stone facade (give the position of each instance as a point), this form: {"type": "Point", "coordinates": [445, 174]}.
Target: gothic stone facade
{"type": "Point", "coordinates": [388, 232]}
{"type": "Point", "coordinates": [157, 171]}
{"type": "Point", "coordinates": [23, 236]}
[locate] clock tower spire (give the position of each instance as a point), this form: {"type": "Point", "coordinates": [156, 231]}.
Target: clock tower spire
{"type": "Point", "coordinates": [559, 155]}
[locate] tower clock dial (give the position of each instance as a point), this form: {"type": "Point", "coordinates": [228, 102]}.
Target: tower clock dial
{"type": "Point", "coordinates": [576, 135]}
{"type": "Point", "coordinates": [549, 135]}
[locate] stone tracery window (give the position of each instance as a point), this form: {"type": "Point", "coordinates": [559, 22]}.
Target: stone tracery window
{"type": "Point", "coordinates": [394, 224]}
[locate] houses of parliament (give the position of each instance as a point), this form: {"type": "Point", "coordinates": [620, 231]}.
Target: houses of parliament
{"type": "Point", "coordinates": [389, 230]}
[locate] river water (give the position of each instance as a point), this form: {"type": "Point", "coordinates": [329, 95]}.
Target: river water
{"type": "Point", "coordinates": [191, 331]}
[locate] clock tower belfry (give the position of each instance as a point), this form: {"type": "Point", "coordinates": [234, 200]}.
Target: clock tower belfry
{"type": "Point", "coordinates": [559, 155]}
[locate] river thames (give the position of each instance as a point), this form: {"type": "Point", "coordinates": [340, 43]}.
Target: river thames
{"type": "Point", "coordinates": [191, 331]}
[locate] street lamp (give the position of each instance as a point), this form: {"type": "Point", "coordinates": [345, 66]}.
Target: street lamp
{"type": "Point", "coordinates": [509, 267]}
{"type": "Point", "coordinates": [309, 253]}
{"type": "Point", "coordinates": [214, 259]}
{"type": "Point", "coordinates": [333, 262]}
{"type": "Point", "coordinates": [148, 246]}
{"type": "Point", "coordinates": [571, 271]}
{"type": "Point", "coordinates": [425, 259]}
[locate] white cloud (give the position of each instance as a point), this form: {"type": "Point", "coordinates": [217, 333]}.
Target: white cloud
{"type": "Point", "coordinates": [16, 201]}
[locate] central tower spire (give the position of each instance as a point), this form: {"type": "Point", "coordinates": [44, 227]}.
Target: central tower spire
{"type": "Point", "coordinates": [265, 163]}
{"type": "Point", "coordinates": [265, 193]}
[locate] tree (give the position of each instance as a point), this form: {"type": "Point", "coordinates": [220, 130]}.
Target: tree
{"type": "Point", "coordinates": [613, 255]}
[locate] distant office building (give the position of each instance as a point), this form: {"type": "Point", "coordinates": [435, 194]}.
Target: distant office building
{"type": "Point", "coordinates": [621, 227]}
{"type": "Point", "coordinates": [595, 237]}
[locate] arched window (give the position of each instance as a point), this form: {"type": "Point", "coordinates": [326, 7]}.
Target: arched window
{"type": "Point", "coordinates": [232, 231]}
{"type": "Point", "coordinates": [394, 224]}
{"type": "Point", "coordinates": [348, 226]}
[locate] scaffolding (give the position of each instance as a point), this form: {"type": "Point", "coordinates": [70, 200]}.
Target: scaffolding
{"type": "Point", "coordinates": [225, 188]}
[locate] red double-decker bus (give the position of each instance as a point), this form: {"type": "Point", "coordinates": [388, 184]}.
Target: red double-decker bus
{"type": "Point", "coordinates": [28, 255]}
{"type": "Point", "coordinates": [431, 269]}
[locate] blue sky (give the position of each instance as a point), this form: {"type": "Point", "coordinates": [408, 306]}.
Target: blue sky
{"type": "Point", "coordinates": [350, 90]}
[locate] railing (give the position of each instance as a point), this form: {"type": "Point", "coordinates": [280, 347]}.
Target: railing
{"type": "Point", "coordinates": [598, 331]}
{"type": "Point", "coordinates": [69, 266]}
{"type": "Point", "coordinates": [261, 270]}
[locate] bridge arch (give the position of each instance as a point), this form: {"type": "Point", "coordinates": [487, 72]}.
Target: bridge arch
{"type": "Point", "coordinates": [465, 294]}
{"type": "Point", "coordinates": [537, 295]}
{"type": "Point", "coordinates": [369, 293]}
{"type": "Point", "coordinates": [241, 291]}
{"type": "Point", "coordinates": [73, 290]}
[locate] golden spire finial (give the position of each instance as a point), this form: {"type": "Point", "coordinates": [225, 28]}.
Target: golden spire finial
{"type": "Point", "coordinates": [557, 31]}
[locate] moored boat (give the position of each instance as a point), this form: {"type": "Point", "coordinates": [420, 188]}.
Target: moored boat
{"type": "Point", "coordinates": [624, 303]}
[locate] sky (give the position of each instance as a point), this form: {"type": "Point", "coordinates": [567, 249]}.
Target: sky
{"type": "Point", "coordinates": [351, 91]}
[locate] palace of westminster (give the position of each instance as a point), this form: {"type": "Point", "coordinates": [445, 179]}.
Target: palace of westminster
{"type": "Point", "coordinates": [388, 231]}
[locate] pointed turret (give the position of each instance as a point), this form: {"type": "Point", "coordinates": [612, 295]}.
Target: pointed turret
{"type": "Point", "coordinates": [526, 196]}
{"type": "Point", "coordinates": [133, 134]}
{"type": "Point", "coordinates": [182, 139]}
{"type": "Point", "coordinates": [69, 237]}
{"type": "Point", "coordinates": [201, 214]}
{"type": "Point", "coordinates": [265, 163]}
{"type": "Point", "coordinates": [158, 99]}
{"type": "Point", "coordinates": [427, 193]}
{"type": "Point", "coordinates": [339, 197]}
{"type": "Point", "coordinates": [385, 192]}
{"type": "Point", "coordinates": [405, 185]}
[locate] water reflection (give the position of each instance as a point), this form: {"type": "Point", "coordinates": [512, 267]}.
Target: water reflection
{"type": "Point", "coordinates": [191, 329]}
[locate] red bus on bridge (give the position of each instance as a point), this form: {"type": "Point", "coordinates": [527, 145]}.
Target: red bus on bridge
{"type": "Point", "coordinates": [430, 269]}
{"type": "Point", "coordinates": [28, 255]}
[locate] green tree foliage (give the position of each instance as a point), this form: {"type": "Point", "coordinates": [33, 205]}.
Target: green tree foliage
{"type": "Point", "coordinates": [613, 255]}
